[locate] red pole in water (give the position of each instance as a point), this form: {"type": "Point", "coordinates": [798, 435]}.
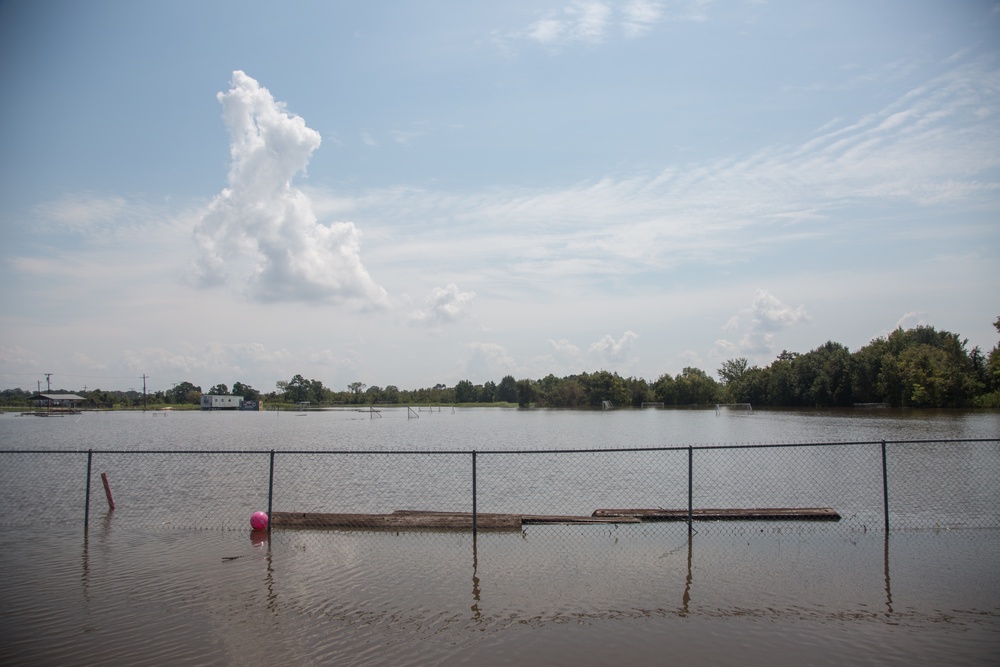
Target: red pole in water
{"type": "Point", "coordinates": [107, 490]}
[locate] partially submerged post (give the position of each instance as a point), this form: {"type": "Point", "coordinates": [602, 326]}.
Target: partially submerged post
{"type": "Point", "coordinates": [107, 490]}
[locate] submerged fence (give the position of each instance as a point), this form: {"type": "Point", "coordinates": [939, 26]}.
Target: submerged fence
{"type": "Point", "coordinates": [870, 485]}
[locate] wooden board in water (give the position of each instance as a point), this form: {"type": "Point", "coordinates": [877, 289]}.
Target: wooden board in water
{"type": "Point", "coordinates": [396, 521]}
{"type": "Point", "coordinates": [738, 514]}
{"type": "Point", "coordinates": [417, 520]}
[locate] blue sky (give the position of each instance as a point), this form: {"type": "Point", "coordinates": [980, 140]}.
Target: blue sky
{"type": "Point", "coordinates": [411, 193]}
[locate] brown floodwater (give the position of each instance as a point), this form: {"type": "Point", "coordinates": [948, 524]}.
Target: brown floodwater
{"type": "Point", "coordinates": [551, 595]}
{"type": "Point", "coordinates": [174, 575]}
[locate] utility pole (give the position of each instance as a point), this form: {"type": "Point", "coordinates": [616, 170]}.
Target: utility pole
{"type": "Point", "coordinates": [144, 376]}
{"type": "Point", "coordinates": [48, 382]}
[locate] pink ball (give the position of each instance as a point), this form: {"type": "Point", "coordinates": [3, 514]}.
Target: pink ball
{"type": "Point", "coordinates": [258, 520]}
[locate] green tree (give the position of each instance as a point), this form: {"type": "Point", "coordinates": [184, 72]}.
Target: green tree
{"type": "Point", "coordinates": [185, 392]}
{"type": "Point", "coordinates": [638, 390]}
{"type": "Point", "coordinates": [695, 387]}
{"type": "Point", "coordinates": [15, 396]}
{"type": "Point", "coordinates": [605, 386]}
{"type": "Point", "coordinates": [823, 376]}
{"type": "Point", "coordinates": [525, 393]}
{"type": "Point", "coordinates": [487, 392]}
{"type": "Point", "coordinates": [568, 393]}
{"type": "Point", "coordinates": [390, 394]}
{"type": "Point", "coordinates": [219, 390]}
{"type": "Point", "coordinates": [665, 389]}
{"type": "Point", "coordinates": [356, 388]}
{"type": "Point", "coordinates": [781, 380]}
{"type": "Point", "coordinates": [297, 390]}
{"type": "Point", "coordinates": [246, 391]}
{"type": "Point", "coordinates": [993, 363]}
{"type": "Point", "coordinates": [507, 390]}
{"type": "Point", "coordinates": [866, 371]}
{"type": "Point", "coordinates": [742, 383]}
{"type": "Point", "coordinates": [733, 370]}
{"type": "Point", "coordinates": [465, 392]}
{"type": "Point", "coordinates": [732, 374]}
{"type": "Point", "coordinates": [946, 378]}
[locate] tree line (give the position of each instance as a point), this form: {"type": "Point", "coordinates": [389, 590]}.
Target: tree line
{"type": "Point", "coordinates": [918, 367]}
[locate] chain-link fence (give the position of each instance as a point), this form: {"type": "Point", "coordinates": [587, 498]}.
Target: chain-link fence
{"type": "Point", "coordinates": [853, 486]}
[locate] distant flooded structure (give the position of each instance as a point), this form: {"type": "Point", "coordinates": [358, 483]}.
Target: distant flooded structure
{"type": "Point", "coordinates": [49, 404]}
{"type": "Point", "coordinates": [216, 402]}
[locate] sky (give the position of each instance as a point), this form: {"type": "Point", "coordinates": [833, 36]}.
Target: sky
{"type": "Point", "coordinates": [416, 192]}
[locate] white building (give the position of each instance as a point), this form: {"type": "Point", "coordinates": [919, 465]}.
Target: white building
{"type": "Point", "coordinates": [214, 402]}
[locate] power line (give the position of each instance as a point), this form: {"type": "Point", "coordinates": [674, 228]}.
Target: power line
{"type": "Point", "coordinates": [70, 375]}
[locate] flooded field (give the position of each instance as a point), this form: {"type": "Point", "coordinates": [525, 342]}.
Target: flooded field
{"type": "Point", "coordinates": [177, 586]}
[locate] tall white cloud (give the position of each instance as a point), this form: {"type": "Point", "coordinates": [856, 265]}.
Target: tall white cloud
{"type": "Point", "coordinates": [263, 230]}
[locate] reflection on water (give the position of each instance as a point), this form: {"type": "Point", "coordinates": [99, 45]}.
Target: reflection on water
{"type": "Point", "coordinates": [596, 595]}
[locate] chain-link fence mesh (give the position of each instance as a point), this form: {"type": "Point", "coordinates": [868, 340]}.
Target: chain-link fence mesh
{"type": "Point", "coordinates": [846, 479]}
{"type": "Point", "coordinates": [370, 490]}
{"type": "Point", "coordinates": [943, 484]}
{"type": "Point", "coordinates": [817, 486]}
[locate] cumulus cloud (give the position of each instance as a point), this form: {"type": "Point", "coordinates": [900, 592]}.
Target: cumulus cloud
{"type": "Point", "coordinates": [757, 325]}
{"type": "Point", "coordinates": [261, 227]}
{"type": "Point", "coordinates": [444, 305]}
{"type": "Point", "coordinates": [611, 350]}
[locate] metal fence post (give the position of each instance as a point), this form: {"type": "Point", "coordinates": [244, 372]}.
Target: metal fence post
{"type": "Point", "coordinates": [86, 503]}
{"type": "Point", "coordinates": [690, 489]}
{"type": "Point", "coordinates": [885, 489]}
{"type": "Point", "coordinates": [270, 491]}
{"type": "Point", "coordinates": [475, 518]}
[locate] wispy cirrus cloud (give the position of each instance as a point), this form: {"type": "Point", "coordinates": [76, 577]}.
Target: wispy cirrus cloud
{"type": "Point", "coordinates": [582, 21]}
{"type": "Point", "coordinates": [934, 145]}
{"type": "Point", "coordinates": [639, 17]}
{"type": "Point", "coordinates": [596, 21]}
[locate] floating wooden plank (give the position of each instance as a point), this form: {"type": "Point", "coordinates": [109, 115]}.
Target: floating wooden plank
{"type": "Point", "coordinates": [537, 519]}
{"type": "Point", "coordinates": [739, 514]}
{"type": "Point", "coordinates": [423, 520]}
{"type": "Point", "coordinates": [542, 519]}
{"type": "Point", "coordinates": [396, 521]}
{"type": "Point", "coordinates": [418, 520]}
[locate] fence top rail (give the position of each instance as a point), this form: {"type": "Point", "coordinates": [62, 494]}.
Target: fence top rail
{"type": "Point", "coordinates": [453, 452]}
